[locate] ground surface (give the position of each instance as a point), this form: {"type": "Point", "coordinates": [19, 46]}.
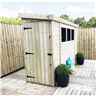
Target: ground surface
{"type": "Point", "coordinates": [82, 82]}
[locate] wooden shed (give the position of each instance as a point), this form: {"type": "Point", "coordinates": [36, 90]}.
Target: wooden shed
{"type": "Point", "coordinates": [48, 42]}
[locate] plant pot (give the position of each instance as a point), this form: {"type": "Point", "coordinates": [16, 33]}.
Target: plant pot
{"type": "Point", "coordinates": [80, 59]}
{"type": "Point", "coordinates": [62, 73]}
{"type": "Point", "coordinates": [62, 81]}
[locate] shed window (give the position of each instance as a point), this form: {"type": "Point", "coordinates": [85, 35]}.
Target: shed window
{"type": "Point", "coordinates": [72, 34]}
{"type": "Point", "coordinates": [63, 34]}
{"type": "Point", "coordinates": [68, 35]}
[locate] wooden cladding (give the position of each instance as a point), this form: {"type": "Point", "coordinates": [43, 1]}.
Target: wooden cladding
{"type": "Point", "coordinates": [87, 42]}
{"type": "Point", "coordinates": [11, 48]}
{"type": "Point", "coordinates": [38, 56]}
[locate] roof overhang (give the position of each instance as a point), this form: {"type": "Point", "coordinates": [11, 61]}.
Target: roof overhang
{"type": "Point", "coordinates": [25, 16]}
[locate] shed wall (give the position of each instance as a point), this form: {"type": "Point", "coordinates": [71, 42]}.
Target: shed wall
{"type": "Point", "coordinates": [67, 48]}
{"type": "Point", "coordinates": [62, 50]}
{"type": "Point", "coordinates": [56, 43]}
{"type": "Point", "coordinates": [44, 41]}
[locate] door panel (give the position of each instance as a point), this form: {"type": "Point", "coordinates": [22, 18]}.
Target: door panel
{"type": "Point", "coordinates": [37, 46]}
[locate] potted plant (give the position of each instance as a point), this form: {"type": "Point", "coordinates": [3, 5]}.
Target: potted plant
{"type": "Point", "coordinates": [62, 73]}
{"type": "Point", "coordinates": [80, 58]}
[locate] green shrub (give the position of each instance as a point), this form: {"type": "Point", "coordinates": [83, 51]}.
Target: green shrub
{"type": "Point", "coordinates": [63, 69]}
{"type": "Point", "coordinates": [7, 20]}
{"type": "Point", "coordinates": [62, 77]}
{"type": "Point", "coordinates": [79, 58]}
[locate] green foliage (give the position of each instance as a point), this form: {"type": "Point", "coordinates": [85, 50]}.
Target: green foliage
{"type": "Point", "coordinates": [63, 69]}
{"type": "Point", "coordinates": [66, 17]}
{"type": "Point", "coordinates": [6, 20]}
{"type": "Point", "coordinates": [81, 21]}
{"type": "Point", "coordinates": [85, 24]}
{"type": "Point", "coordinates": [92, 22]}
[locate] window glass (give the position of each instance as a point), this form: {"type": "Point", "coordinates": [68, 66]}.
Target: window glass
{"type": "Point", "coordinates": [72, 34]}
{"type": "Point", "coordinates": [63, 34]}
{"type": "Point", "coordinates": [68, 34]}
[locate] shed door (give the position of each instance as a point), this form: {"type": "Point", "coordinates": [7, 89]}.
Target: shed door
{"type": "Point", "coordinates": [38, 57]}
{"type": "Point", "coordinates": [29, 51]}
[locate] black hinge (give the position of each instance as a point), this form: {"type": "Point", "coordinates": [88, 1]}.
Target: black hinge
{"type": "Point", "coordinates": [30, 76]}
{"type": "Point", "coordinates": [26, 53]}
{"type": "Point", "coordinates": [50, 54]}
{"type": "Point", "coordinates": [25, 28]}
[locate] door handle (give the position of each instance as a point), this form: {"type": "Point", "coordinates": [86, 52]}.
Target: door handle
{"type": "Point", "coordinates": [28, 53]}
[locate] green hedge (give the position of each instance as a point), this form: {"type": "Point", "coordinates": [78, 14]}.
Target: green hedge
{"type": "Point", "coordinates": [7, 20]}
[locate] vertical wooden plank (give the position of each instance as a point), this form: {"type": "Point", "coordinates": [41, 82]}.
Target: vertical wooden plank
{"type": "Point", "coordinates": [30, 50]}
{"type": "Point", "coordinates": [0, 49]}
{"type": "Point", "coordinates": [51, 74]}
{"type": "Point", "coordinates": [86, 43]}
{"type": "Point", "coordinates": [95, 43]}
{"type": "Point", "coordinates": [39, 52]}
{"type": "Point", "coordinates": [13, 32]}
{"type": "Point", "coordinates": [92, 45]}
{"type": "Point", "coordinates": [33, 48]}
{"type": "Point", "coordinates": [6, 66]}
{"type": "Point", "coordinates": [46, 51]}
{"type": "Point", "coordinates": [42, 50]}
{"type": "Point", "coordinates": [10, 48]}
{"type": "Point", "coordinates": [28, 57]}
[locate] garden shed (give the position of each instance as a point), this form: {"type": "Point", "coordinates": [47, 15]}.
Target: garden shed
{"type": "Point", "coordinates": [48, 42]}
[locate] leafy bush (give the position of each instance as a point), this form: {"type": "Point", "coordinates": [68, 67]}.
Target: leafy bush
{"type": "Point", "coordinates": [6, 20]}
{"type": "Point", "coordinates": [79, 58]}
{"type": "Point", "coordinates": [63, 69]}
{"type": "Point", "coordinates": [62, 73]}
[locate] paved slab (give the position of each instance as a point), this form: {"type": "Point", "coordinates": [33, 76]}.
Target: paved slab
{"type": "Point", "coordinates": [16, 84]}
{"type": "Point", "coordinates": [82, 82]}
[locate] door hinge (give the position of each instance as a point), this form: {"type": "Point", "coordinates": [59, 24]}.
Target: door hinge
{"type": "Point", "coordinates": [30, 76]}
{"type": "Point", "coordinates": [50, 54]}
{"type": "Point", "coordinates": [26, 28]}
{"type": "Point", "coordinates": [27, 53]}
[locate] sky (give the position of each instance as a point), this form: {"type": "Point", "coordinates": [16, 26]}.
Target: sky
{"type": "Point", "coordinates": [74, 9]}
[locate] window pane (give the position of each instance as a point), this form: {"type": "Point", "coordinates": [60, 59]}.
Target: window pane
{"type": "Point", "coordinates": [72, 34]}
{"type": "Point", "coordinates": [63, 34]}
{"type": "Point", "coordinates": [68, 34]}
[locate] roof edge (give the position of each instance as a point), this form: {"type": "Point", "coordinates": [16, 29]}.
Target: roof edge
{"type": "Point", "coordinates": [43, 17]}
